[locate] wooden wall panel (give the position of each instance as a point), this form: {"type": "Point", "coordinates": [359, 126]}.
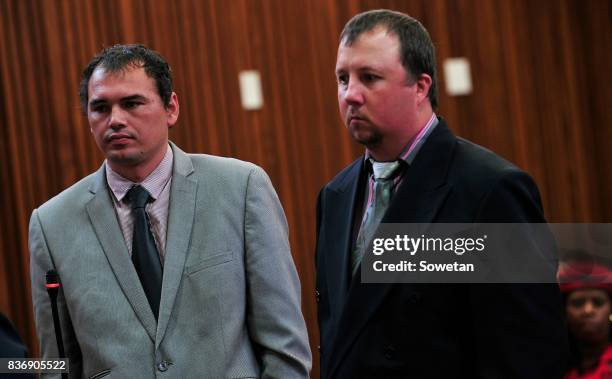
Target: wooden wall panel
{"type": "Point", "coordinates": [541, 73]}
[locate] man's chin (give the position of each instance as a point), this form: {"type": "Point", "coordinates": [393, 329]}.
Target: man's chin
{"type": "Point", "coordinates": [123, 158]}
{"type": "Point", "coordinates": [369, 140]}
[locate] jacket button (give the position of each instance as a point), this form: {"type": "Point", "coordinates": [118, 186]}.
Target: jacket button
{"type": "Point", "coordinates": [389, 352]}
{"type": "Point", "coordinates": [317, 296]}
{"type": "Point", "coordinates": [162, 366]}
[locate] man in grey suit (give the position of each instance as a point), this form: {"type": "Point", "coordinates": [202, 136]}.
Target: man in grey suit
{"type": "Point", "coordinates": [172, 265]}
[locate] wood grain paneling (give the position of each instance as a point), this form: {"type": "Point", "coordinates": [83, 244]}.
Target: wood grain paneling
{"type": "Point", "coordinates": [541, 73]}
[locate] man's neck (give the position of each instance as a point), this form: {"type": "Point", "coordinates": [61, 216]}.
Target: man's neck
{"type": "Point", "coordinates": [136, 173]}
{"type": "Point", "coordinates": [391, 146]}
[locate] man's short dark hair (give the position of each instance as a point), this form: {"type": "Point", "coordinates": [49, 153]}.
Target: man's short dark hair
{"type": "Point", "coordinates": [123, 57]}
{"type": "Point", "coordinates": [417, 51]}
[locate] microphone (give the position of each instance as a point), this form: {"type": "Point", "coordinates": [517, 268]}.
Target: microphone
{"type": "Point", "coordinates": [53, 285]}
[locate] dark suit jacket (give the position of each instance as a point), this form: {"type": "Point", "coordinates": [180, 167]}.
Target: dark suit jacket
{"type": "Point", "coordinates": [435, 330]}
{"type": "Point", "coordinates": [11, 345]}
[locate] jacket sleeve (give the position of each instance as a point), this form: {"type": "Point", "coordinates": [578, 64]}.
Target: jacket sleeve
{"type": "Point", "coordinates": [275, 321]}
{"type": "Point", "coordinates": [40, 262]}
{"type": "Point", "coordinates": [519, 328]}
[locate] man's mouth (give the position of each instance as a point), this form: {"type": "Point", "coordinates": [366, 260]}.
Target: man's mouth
{"type": "Point", "coordinates": [356, 118]}
{"type": "Point", "coordinates": [118, 137]}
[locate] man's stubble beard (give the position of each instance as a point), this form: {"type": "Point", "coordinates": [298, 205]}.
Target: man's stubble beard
{"type": "Point", "coordinates": [371, 140]}
{"type": "Point", "coordinates": [127, 159]}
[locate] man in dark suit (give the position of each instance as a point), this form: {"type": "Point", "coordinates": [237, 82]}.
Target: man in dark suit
{"type": "Point", "coordinates": [387, 95]}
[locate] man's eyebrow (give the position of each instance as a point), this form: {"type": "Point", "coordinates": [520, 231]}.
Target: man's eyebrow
{"type": "Point", "coordinates": [126, 98]}
{"type": "Point", "coordinates": [133, 98]}
{"type": "Point", "coordinates": [95, 102]}
{"type": "Point", "coordinates": [367, 67]}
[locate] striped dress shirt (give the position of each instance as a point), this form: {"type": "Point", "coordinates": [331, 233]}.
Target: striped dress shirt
{"type": "Point", "coordinates": [158, 186]}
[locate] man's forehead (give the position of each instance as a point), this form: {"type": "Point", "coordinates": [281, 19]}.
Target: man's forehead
{"type": "Point", "coordinates": [123, 82]}
{"type": "Point", "coordinates": [371, 36]}
{"type": "Point", "coordinates": [359, 64]}
{"type": "Point", "coordinates": [131, 70]}
{"type": "Point", "coordinates": [369, 50]}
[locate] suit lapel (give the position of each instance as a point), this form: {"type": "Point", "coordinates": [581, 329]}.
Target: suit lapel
{"type": "Point", "coordinates": [424, 186]}
{"type": "Point", "coordinates": [418, 199]}
{"type": "Point", "coordinates": [181, 215]}
{"type": "Point", "coordinates": [102, 216]}
{"type": "Point", "coordinates": [340, 222]}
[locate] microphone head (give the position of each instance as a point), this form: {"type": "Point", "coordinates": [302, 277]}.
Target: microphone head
{"type": "Point", "coordinates": [53, 279]}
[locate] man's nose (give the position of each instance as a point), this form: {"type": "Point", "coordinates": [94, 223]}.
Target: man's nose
{"type": "Point", "coordinates": [117, 117]}
{"type": "Point", "coordinates": [354, 93]}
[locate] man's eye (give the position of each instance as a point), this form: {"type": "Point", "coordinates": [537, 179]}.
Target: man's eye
{"type": "Point", "coordinates": [101, 108]}
{"type": "Point", "coordinates": [369, 78]}
{"type": "Point", "coordinates": [131, 104]}
{"type": "Point", "coordinates": [342, 79]}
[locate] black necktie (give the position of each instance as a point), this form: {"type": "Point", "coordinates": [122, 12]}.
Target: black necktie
{"type": "Point", "coordinates": [144, 251]}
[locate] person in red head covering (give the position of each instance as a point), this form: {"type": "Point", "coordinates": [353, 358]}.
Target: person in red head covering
{"type": "Point", "coordinates": [587, 289]}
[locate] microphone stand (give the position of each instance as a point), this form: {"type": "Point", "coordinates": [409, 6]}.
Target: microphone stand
{"type": "Point", "coordinates": [53, 284]}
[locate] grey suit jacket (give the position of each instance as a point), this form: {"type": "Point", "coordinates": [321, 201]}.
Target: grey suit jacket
{"type": "Point", "coordinates": [230, 303]}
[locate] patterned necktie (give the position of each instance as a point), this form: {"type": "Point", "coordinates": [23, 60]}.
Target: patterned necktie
{"type": "Point", "coordinates": [144, 251]}
{"type": "Point", "coordinates": [383, 184]}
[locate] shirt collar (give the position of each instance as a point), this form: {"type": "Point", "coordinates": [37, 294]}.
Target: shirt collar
{"type": "Point", "coordinates": [154, 183]}
{"type": "Point", "coordinates": [414, 145]}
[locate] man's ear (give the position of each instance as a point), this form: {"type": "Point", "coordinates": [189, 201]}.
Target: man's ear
{"type": "Point", "coordinates": [172, 110]}
{"type": "Point", "coordinates": [423, 83]}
